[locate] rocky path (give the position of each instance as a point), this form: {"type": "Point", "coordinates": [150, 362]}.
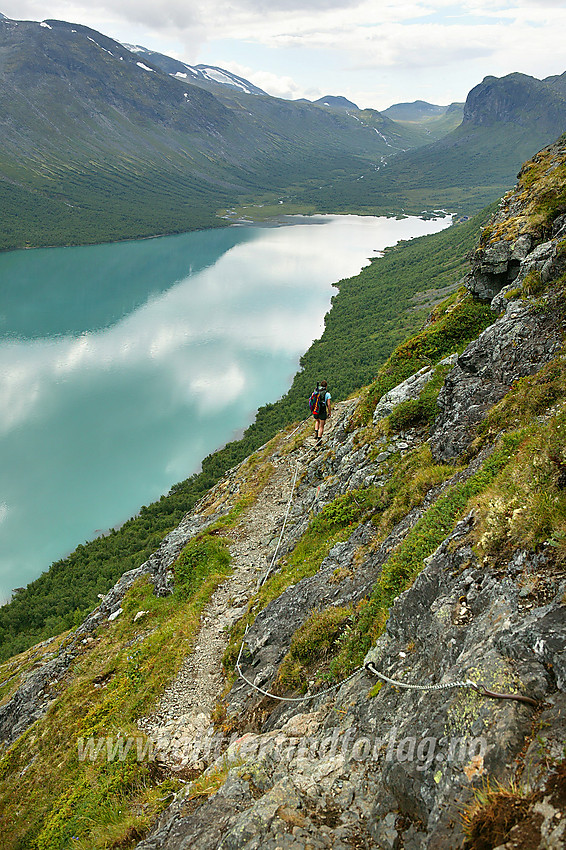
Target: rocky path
{"type": "Point", "coordinates": [184, 714]}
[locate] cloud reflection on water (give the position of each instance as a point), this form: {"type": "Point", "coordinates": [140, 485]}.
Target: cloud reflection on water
{"type": "Point", "coordinates": [95, 423]}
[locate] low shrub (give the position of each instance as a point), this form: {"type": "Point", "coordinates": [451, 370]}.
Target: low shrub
{"type": "Point", "coordinates": [201, 557]}
{"type": "Point", "coordinates": [311, 645]}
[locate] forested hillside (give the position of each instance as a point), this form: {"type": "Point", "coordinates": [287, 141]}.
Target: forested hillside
{"type": "Point", "coordinates": [99, 146]}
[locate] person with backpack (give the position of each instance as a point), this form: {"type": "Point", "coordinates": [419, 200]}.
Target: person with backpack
{"type": "Point", "coordinates": [319, 404]}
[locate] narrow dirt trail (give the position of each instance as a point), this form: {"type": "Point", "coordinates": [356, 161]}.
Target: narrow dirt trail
{"type": "Point", "coordinates": [184, 715]}
{"type": "Point", "coordinates": [191, 697]}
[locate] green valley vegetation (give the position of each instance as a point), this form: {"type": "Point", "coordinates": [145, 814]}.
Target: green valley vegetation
{"type": "Point", "coordinates": [97, 146]}
{"type": "Point", "coordinates": [81, 775]}
{"type": "Point", "coordinates": [371, 314]}
{"type": "Point", "coordinates": [506, 120]}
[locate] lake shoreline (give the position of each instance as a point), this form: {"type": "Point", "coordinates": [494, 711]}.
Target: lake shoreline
{"type": "Point", "coordinates": [276, 221]}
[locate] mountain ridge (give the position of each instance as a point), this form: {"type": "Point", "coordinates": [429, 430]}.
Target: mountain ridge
{"type": "Point", "coordinates": [199, 73]}
{"type": "Point", "coordinates": [337, 102]}
{"type": "Point", "coordinates": [123, 136]}
{"type": "Point", "coordinates": [508, 99]}
{"type": "Point", "coordinates": [417, 109]}
{"type": "Point", "coordinates": [162, 154]}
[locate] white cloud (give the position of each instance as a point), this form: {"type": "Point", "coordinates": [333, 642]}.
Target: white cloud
{"type": "Point", "coordinates": [274, 84]}
{"type": "Point", "coordinates": [217, 389]}
{"type": "Point", "coordinates": [338, 46]}
{"type": "Point", "coordinates": [20, 384]}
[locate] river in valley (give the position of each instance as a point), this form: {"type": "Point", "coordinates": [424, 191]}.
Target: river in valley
{"type": "Point", "coordinates": [123, 365]}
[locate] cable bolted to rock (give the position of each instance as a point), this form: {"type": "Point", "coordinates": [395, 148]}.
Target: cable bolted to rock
{"type": "Point", "coordinates": [369, 666]}
{"type": "Point", "coordinates": [467, 683]}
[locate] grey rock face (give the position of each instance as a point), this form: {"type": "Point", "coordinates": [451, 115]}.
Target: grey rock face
{"type": "Point", "coordinates": [500, 302]}
{"type": "Point", "coordinates": [33, 697]}
{"type": "Point", "coordinates": [409, 389]}
{"type": "Point", "coordinates": [394, 770]}
{"type": "Point", "coordinates": [518, 344]}
{"type": "Point", "coordinates": [498, 265]}
{"type": "Point", "coordinates": [521, 247]}
{"type": "Point", "coordinates": [494, 267]}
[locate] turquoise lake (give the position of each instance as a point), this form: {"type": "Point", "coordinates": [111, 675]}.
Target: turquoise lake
{"type": "Point", "coordinates": [123, 365]}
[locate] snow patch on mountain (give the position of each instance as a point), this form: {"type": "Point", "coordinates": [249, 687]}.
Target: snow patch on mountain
{"type": "Point", "coordinates": [204, 73]}
{"type": "Point", "coordinates": [216, 75]}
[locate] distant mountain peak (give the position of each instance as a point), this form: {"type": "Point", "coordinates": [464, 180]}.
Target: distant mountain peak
{"type": "Point", "coordinates": [335, 102]}
{"type": "Point", "coordinates": [515, 99]}
{"type": "Point", "coordinates": [415, 111]}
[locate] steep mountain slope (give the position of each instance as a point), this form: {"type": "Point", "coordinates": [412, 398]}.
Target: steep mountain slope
{"type": "Point", "coordinates": [557, 82]}
{"type": "Point", "coordinates": [397, 676]}
{"type": "Point", "coordinates": [98, 144]}
{"type": "Point", "coordinates": [207, 76]}
{"type": "Point", "coordinates": [505, 122]}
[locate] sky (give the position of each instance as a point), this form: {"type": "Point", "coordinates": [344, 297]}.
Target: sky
{"type": "Point", "coordinates": [374, 52]}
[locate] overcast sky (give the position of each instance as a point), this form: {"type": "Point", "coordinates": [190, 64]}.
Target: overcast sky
{"type": "Point", "coordinates": [374, 52]}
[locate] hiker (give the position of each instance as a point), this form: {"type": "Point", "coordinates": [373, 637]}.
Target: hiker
{"type": "Point", "coordinates": [320, 406]}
